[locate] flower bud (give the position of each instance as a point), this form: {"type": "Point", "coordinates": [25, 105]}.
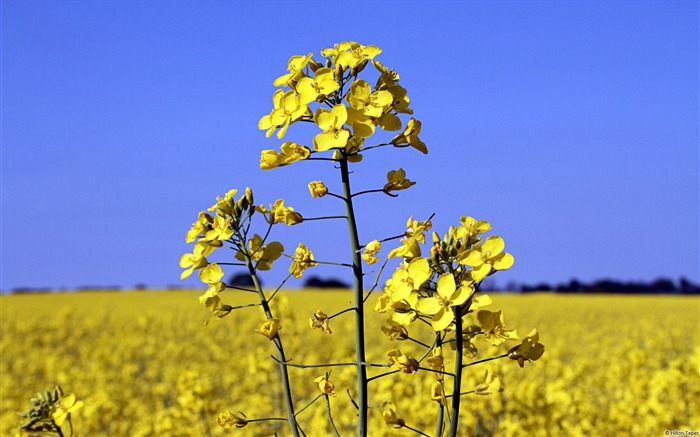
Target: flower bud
{"type": "Point", "coordinates": [354, 71]}
{"type": "Point", "coordinates": [249, 196]}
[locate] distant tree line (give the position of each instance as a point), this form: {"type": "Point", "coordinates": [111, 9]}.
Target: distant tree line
{"type": "Point", "coordinates": [602, 286]}
{"type": "Point", "coordinates": [657, 286]}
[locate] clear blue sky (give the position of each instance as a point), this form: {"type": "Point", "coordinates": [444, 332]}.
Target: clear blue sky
{"type": "Point", "coordinates": [571, 126]}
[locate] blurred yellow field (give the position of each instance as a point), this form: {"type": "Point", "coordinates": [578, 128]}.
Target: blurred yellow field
{"type": "Point", "coordinates": [145, 364]}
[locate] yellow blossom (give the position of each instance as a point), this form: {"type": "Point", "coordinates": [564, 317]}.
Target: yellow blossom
{"type": "Point", "coordinates": [350, 54]}
{"type": "Point", "coordinates": [371, 104]}
{"type": "Point", "coordinates": [228, 419]}
{"type": "Point", "coordinates": [269, 328]}
{"type": "Point", "coordinates": [325, 386]}
{"type": "Point", "coordinates": [405, 363]}
{"type": "Point", "coordinates": [322, 85]}
{"type": "Point", "coordinates": [63, 409]}
{"type": "Point", "coordinates": [397, 181]}
{"type": "Point", "coordinates": [317, 189]}
{"type": "Point", "coordinates": [264, 255]}
{"type": "Point", "coordinates": [287, 109]}
{"type": "Point", "coordinates": [493, 327]}
{"type": "Point", "coordinates": [489, 386]}
{"type": "Point", "coordinates": [529, 350]}
{"type": "Point", "coordinates": [295, 67]}
{"type": "Point", "coordinates": [331, 122]}
{"type": "Point", "coordinates": [211, 274]}
{"type": "Point", "coordinates": [224, 205]}
{"type": "Point", "coordinates": [193, 261]}
{"type": "Point", "coordinates": [302, 260]}
{"type": "Point", "coordinates": [213, 291]}
{"type": "Point", "coordinates": [291, 153]}
{"type": "Point", "coordinates": [408, 279]}
{"type": "Point", "coordinates": [410, 136]}
{"type": "Point", "coordinates": [414, 234]}
{"type": "Point", "coordinates": [199, 227]}
{"type": "Point", "coordinates": [356, 54]}
{"type": "Point", "coordinates": [371, 249]}
{"type": "Point", "coordinates": [320, 320]}
{"type": "Point", "coordinates": [280, 213]}
{"type": "Point", "coordinates": [394, 330]}
{"type": "Point", "coordinates": [487, 257]}
{"type": "Point", "coordinates": [221, 229]}
{"type": "Point", "coordinates": [448, 295]}
{"type": "Point", "coordinates": [390, 416]}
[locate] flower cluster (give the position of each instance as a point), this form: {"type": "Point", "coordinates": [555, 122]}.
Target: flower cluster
{"type": "Point", "coordinates": [49, 411]}
{"type": "Point", "coordinates": [432, 287]}
{"type": "Point", "coordinates": [348, 110]}
{"type": "Point", "coordinates": [227, 224]}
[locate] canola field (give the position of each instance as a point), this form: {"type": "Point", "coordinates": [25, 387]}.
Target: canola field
{"type": "Point", "coordinates": [145, 365]}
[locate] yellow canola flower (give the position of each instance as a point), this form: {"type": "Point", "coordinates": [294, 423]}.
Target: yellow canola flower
{"type": "Point", "coordinates": [287, 108]}
{"type": "Point", "coordinates": [211, 274]}
{"type": "Point", "coordinates": [371, 104]}
{"type": "Point", "coordinates": [362, 125]}
{"type": "Point", "coordinates": [291, 153]}
{"type": "Point", "coordinates": [269, 328]}
{"type": "Point", "coordinates": [487, 257]}
{"type": "Point", "coordinates": [228, 419]}
{"type": "Point", "coordinates": [224, 204]}
{"type": "Point", "coordinates": [199, 227]}
{"type": "Point", "coordinates": [331, 122]}
{"type": "Point", "coordinates": [529, 350]}
{"type": "Point", "coordinates": [474, 227]}
{"type": "Point", "coordinates": [295, 66]}
{"type": "Point", "coordinates": [325, 386]}
{"type": "Point", "coordinates": [350, 54]}
{"type": "Point", "coordinates": [410, 136]}
{"type": "Point", "coordinates": [63, 409]}
{"type": "Point", "coordinates": [264, 255]}
{"type": "Point", "coordinates": [195, 260]}
{"type": "Point", "coordinates": [317, 189]}
{"type": "Point", "coordinates": [221, 229]}
{"type": "Point", "coordinates": [280, 213]}
{"type": "Point", "coordinates": [390, 416]}
{"type": "Point", "coordinates": [303, 259]}
{"type": "Point", "coordinates": [414, 234]}
{"type": "Point", "coordinates": [409, 278]}
{"type": "Point", "coordinates": [394, 330]}
{"type": "Point", "coordinates": [404, 314]}
{"type": "Point", "coordinates": [448, 295]}
{"type": "Point", "coordinates": [370, 254]}
{"type": "Point", "coordinates": [323, 84]}
{"type": "Point", "coordinates": [397, 181]}
{"type": "Point", "coordinates": [489, 386]}
{"type": "Point", "coordinates": [405, 363]}
{"type": "Point", "coordinates": [494, 328]}
{"type": "Point", "coordinates": [320, 321]}
{"type": "Point", "coordinates": [211, 293]}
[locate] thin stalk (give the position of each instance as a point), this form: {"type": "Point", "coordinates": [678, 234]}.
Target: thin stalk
{"type": "Point", "coordinates": [359, 301]}
{"type": "Point", "coordinates": [330, 416]}
{"type": "Point", "coordinates": [280, 350]}
{"type": "Point", "coordinates": [439, 428]}
{"type": "Point", "coordinates": [454, 415]}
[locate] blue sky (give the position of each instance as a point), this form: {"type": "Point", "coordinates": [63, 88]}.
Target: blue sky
{"type": "Point", "coordinates": [571, 126]}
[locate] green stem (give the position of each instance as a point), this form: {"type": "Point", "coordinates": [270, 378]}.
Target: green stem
{"type": "Point", "coordinates": [454, 415]}
{"type": "Point", "coordinates": [359, 301]}
{"type": "Point", "coordinates": [280, 349]}
{"type": "Point", "coordinates": [330, 416]}
{"type": "Point", "coordinates": [473, 363]}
